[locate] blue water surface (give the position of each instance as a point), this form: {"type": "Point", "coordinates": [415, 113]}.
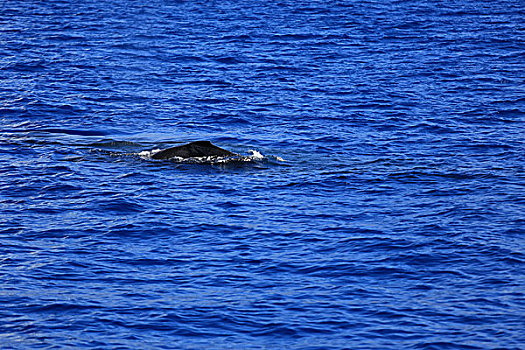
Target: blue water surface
{"type": "Point", "coordinates": [380, 206]}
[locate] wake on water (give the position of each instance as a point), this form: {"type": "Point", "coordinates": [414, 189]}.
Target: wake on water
{"type": "Point", "coordinates": [128, 148]}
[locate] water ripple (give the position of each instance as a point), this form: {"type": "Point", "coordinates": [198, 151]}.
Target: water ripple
{"type": "Point", "coordinates": [385, 209]}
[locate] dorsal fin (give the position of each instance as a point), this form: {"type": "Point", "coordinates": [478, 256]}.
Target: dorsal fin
{"type": "Point", "coordinates": [193, 149]}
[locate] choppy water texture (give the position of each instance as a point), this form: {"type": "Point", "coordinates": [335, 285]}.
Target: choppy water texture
{"type": "Point", "coordinates": [386, 211]}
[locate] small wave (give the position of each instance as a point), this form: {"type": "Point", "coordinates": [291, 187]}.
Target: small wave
{"type": "Point", "coordinates": [28, 66]}
{"type": "Point", "coordinates": [228, 60]}
{"type": "Point", "coordinates": [296, 36]}
{"type": "Point", "coordinates": [119, 205]}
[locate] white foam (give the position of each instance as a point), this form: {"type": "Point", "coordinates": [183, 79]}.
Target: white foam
{"type": "Point", "coordinates": [253, 156]}
{"type": "Point", "coordinates": [256, 154]}
{"type": "Point", "coordinates": [148, 154]}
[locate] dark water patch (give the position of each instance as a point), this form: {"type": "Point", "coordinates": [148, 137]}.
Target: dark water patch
{"type": "Point", "coordinates": [210, 82]}
{"type": "Point", "coordinates": [28, 66]}
{"type": "Point", "coordinates": [57, 131]}
{"type": "Point", "coordinates": [115, 144]}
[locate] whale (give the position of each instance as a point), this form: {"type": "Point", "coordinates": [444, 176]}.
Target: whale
{"type": "Point", "coordinates": [193, 150]}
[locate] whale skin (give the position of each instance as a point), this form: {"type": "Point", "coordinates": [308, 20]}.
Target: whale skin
{"type": "Point", "coordinates": [192, 150]}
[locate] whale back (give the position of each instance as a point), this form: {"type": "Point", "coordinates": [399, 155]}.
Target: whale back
{"type": "Point", "coordinates": [193, 149]}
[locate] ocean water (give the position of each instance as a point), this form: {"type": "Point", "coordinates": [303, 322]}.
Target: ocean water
{"type": "Point", "coordinates": [380, 203]}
